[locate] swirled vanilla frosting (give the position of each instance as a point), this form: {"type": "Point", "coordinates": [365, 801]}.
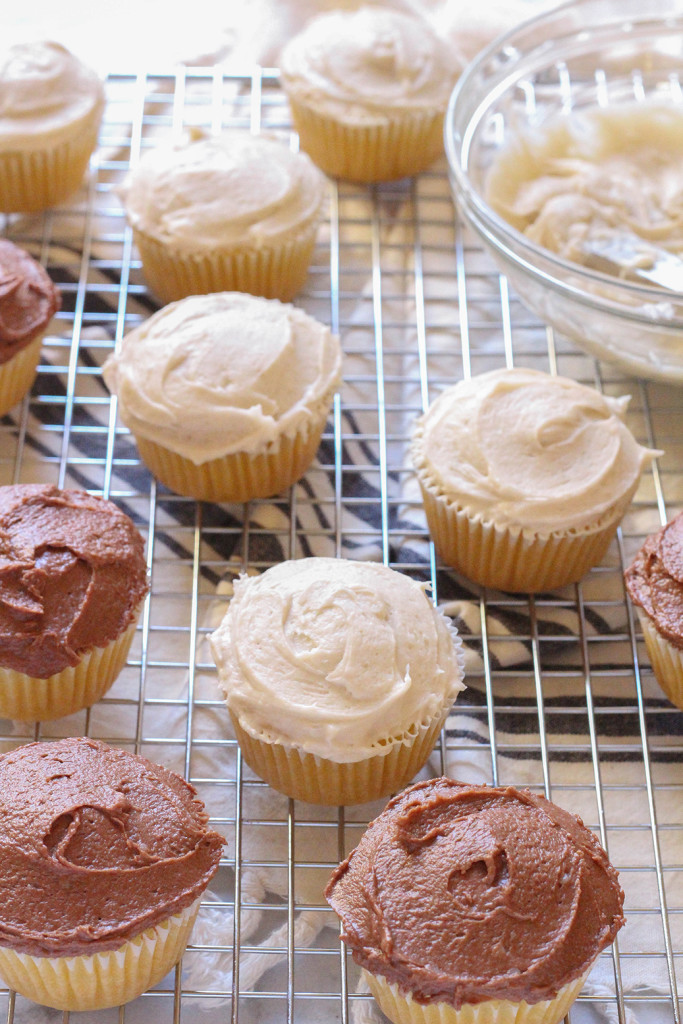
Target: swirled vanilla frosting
{"type": "Point", "coordinates": [222, 373]}
{"type": "Point", "coordinates": [365, 66]}
{"type": "Point", "coordinates": [609, 174]}
{"type": "Point", "coordinates": [655, 580]}
{"type": "Point", "coordinates": [526, 449]}
{"type": "Point", "coordinates": [46, 93]}
{"type": "Point", "coordinates": [219, 191]}
{"type": "Point", "coordinates": [462, 894]}
{"type": "Point", "coordinates": [339, 658]}
{"type": "Point", "coordinates": [96, 845]}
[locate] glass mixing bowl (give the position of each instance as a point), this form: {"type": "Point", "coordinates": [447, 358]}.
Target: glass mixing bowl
{"type": "Point", "coordinates": [583, 55]}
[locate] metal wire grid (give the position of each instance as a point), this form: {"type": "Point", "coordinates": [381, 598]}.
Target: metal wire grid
{"type": "Point", "coordinates": [554, 700]}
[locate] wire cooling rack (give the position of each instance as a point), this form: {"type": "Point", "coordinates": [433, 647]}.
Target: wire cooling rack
{"type": "Point", "coordinates": [560, 694]}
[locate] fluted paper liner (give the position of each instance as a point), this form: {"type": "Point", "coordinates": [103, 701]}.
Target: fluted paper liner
{"type": "Point", "coordinates": [240, 476]}
{"type": "Point", "coordinates": [35, 180]}
{"type": "Point", "coordinates": [666, 660]}
{"type": "Point", "coordinates": [508, 557]}
{"type": "Point", "coordinates": [276, 271]}
{"type": "Point", "coordinates": [404, 145]}
{"type": "Point", "coordinates": [318, 780]}
{"type": "Point", "coordinates": [102, 979]}
{"type": "Point", "coordinates": [31, 699]}
{"type": "Point", "coordinates": [18, 373]}
{"type": "Point", "coordinates": [404, 1010]}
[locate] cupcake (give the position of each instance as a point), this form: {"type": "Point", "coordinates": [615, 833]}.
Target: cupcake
{"type": "Point", "coordinates": [230, 212]}
{"type": "Point", "coordinates": [104, 858]}
{"type": "Point", "coordinates": [654, 581]}
{"type": "Point", "coordinates": [72, 581]}
{"type": "Point", "coordinates": [338, 676]}
{"type": "Point", "coordinates": [368, 90]}
{"type": "Point", "coordinates": [525, 477]}
{"type": "Point", "coordinates": [227, 394]}
{"type": "Point", "coordinates": [28, 301]}
{"type": "Point", "coordinates": [472, 904]}
{"type": "Point", "coordinates": [50, 111]}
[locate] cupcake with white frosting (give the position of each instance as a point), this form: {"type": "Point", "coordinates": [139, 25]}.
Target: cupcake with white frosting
{"type": "Point", "coordinates": [229, 212]}
{"type": "Point", "coordinates": [368, 91]}
{"type": "Point", "coordinates": [227, 394]}
{"type": "Point", "coordinates": [51, 106]}
{"type": "Point", "coordinates": [525, 477]}
{"type": "Point", "coordinates": [338, 677]}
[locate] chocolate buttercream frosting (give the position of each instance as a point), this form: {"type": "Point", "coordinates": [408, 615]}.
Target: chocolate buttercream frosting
{"type": "Point", "coordinates": [96, 845]}
{"type": "Point", "coordinates": [28, 299]}
{"type": "Point", "coordinates": [462, 894]}
{"type": "Point", "coordinates": [655, 580]}
{"type": "Point", "coordinates": [72, 576]}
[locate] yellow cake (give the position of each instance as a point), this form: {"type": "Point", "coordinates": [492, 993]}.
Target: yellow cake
{"type": "Point", "coordinates": [50, 115]}
{"type": "Point", "coordinates": [104, 857]}
{"type": "Point", "coordinates": [474, 904]}
{"type": "Point", "coordinates": [228, 212]}
{"type": "Point", "coordinates": [525, 477]}
{"type": "Point", "coordinates": [368, 91]}
{"type": "Point", "coordinates": [338, 676]}
{"type": "Point", "coordinates": [227, 394]}
{"type": "Point", "coordinates": [71, 591]}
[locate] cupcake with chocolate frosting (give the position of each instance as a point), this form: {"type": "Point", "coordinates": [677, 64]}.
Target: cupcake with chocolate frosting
{"type": "Point", "coordinates": [28, 301]}
{"type": "Point", "coordinates": [468, 904]}
{"type": "Point", "coordinates": [104, 857]}
{"type": "Point", "coordinates": [73, 577]}
{"type": "Point", "coordinates": [655, 583]}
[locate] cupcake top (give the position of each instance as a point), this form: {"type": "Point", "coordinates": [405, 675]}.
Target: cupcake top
{"type": "Point", "coordinates": [461, 894]}
{"type": "Point", "coordinates": [72, 576]}
{"type": "Point", "coordinates": [28, 299]}
{"type": "Point", "coordinates": [655, 580]}
{"type": "Point", "coordinates": [530, 450]}
{"type": "Point", "coordinates": [45, 91]}
{"type": "Point", "coordinates": [367, 65]}
{"type": "Point", "coordinates": [222, 373]}
{"type": "Point", "coordinates": [96, 845]}
{"type": "Point", "coordinates": [218, 191]}
{"type": "Point", "coordinates": [337, 657]}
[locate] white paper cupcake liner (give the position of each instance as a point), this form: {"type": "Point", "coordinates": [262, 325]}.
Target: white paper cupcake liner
{"type": "Point", "coordinates": [99, 980]}
{"type": "Point", "coordinates": [404, 1010]}
{"type": "Point", "coordinates": [401, 146]}
{"type": "Point", "coordinates": [38, 179]}
{"type": "Point", "coordinates": [277, 271]}
{"type": "Point", "coordinates": [240, 476]}
{"type": "Point", "coordinates": [32, 699]}
{"type": "Point", "coordinates": [666, 660]}
{"type": "Point", "coordinates": [18, 373]}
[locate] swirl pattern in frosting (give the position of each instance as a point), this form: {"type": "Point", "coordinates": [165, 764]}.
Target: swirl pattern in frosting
{"type": "Point", "coordinates": [527, 449]}
{"type": "Point", "coordinates": [72, 576]}
{"type": "Point", "coordinates": [217, 191]}
{"type": "Point", "coordinates": [222, 373]}
{"type": "Point", "coordinates": [96, 845]}
{"type": "Point", "coordinates": [655, 580]}
{"type": "Point", "coordinates": [462, 894]}
{"type": "Point", "coordinates": [45, 94]}
{"type": "Point", "coordinates": [363, 66]}
{"type": "Point", "coordinates": [334, 656]}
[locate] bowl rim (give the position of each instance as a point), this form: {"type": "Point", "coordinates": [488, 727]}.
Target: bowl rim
{"type": "Point", "coordinates": [498, 233]}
